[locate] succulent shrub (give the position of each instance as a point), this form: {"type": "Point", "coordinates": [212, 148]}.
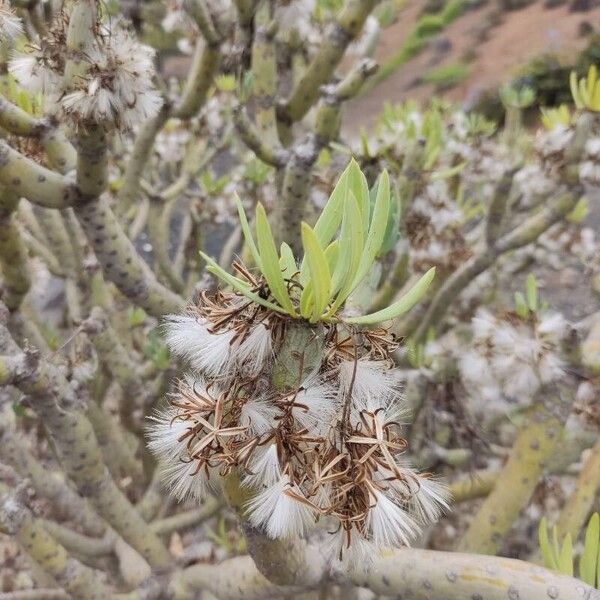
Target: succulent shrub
{"type": "Point", "coordinates": [260, 398]}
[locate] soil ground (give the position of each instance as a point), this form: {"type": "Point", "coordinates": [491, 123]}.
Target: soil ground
{"type": "Point", "coordinates": [520, 36]}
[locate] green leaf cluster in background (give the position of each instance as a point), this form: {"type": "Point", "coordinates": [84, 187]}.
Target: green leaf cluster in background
{"type": "Point", "coordinates": [446, 76]}
{"type": "Point", "coordinates": [156, 351]}
{"type": "Point", "coordinates": [31, 103]}
{"type": "Point", "coordinates": [428, 26]}
{"type": "Point", "coordinates": [556, 117]}
{"type": "Point", "coordinates": [366, 224]}
{"type": "Point", "coordinates": [586, 91]}
{"type": "Point", "coordinates": [407, 121]}
{"type": "Point", "coordinates": [528, 305]}
{"type": "Point", "coordinates": [517, 97]}
{"type": "Point", "coordinates": [560, 557]}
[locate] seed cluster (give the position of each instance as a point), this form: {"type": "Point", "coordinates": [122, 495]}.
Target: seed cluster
{"type": "Point", "coordinates": [511, 358]}
{"type": "Point", "coordinates": [10, 24]}
{"type": "Point", "coordinates": [113, 87]}
{"type": "Point", "coordinates": [323, 443]}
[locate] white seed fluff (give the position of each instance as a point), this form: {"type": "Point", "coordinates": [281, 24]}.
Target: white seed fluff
{"type": "Point", "coordinates": [279, 513]}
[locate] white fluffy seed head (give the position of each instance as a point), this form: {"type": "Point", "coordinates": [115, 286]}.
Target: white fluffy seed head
{"type": "Point", "coordinates": [164, 431]}
{"type": "Point", "coordinates": [33, 75]}
{"type": "Point", "coordinates": [116, 88]}
{"type": "Point", "coordinates": [263, 469]}
{"type": "Point", "coordinates": [474, 366]}
{"type": "Point", "coordinates": [181, 479]}
{"type": "Point", "coordinates": [254, 353]}
{"type": "Point", "coordinates": [552, 327]}
{"type": "Point", "coordinates": [430, 499]}
{"type": "Point", "coordinates": [514, 358]}
{"type": "Point", "coordinates": [258, 415]}
{"type": "Point", "coordinates": [188, 338]}
{"type": "Point", "coordinates": [371, 383]}
{"type": "Point", "coordinates": [359, 551]}
{"type": "Point", "coordinates": [296, 15]}
{"type": "Point", "coordinates": [390, 525]}
{"type": "Point", "coordinates": [315, 406]}
{"type": "Point", "coordinates": [214, 360]}
{"type": "Point", "coordinates": [10, 24]}
{"type": "Point", "coordinates": [554, 142]}
{"type": "Point", "coordinates": [291, 485]}
{"type": "Point", "coordinates": [483, 324]}
{"type": "Point", "coordinates": [185, 335]}
{"type": "Point", "coordinates": [278, 513]}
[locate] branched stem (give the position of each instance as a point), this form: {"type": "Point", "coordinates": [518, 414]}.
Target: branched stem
{"type": "Point", "coordinates": [346, 27]}
{"type": "Point", "coordinates": [65, 501]}
{"type": "Point", "coordinates": [524, 234]}
{"type": "Point", "coordinates": [120, 261]}
{"type": "Point", "coordinates": [516, 482]}
{"type": "Point", "coordinates": [272, 154]}
{"type": "Point", "coordinates": [140, 154]}
{"type": "Point", "coordinates": [187, 519]}
{"type": "Point", "coordinates": [33, 181]}
{"type": "Point", "coordinates": [80, 581]}
{"type": "Point", "coordinates": [81, 458]}
{"type": "Point", "coordinates": [573, 516]}
{"type": "Point", "coordinates": [13, 254]}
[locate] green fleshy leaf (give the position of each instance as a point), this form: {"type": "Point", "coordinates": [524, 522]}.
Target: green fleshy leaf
{"type": "Point", "coordinates": [341, 267]}
{"type": "Point", "coordinates": [598, 569]}
{"type": "Point", "coordinates": [591, 80]}
{"type": "Point", "coordinates": [589, 566]}
{"type": "Point", "coordinates": [307, 301]}
{"type": "Point", "coordinates": [136, 316]}
{"type": "Point", "coordinates": [448, 173]}
{"type": "Point", "coordinates": [532, 295]}
{"type": "Point", "coordinates": [545, 547]}
{"type": "Point", "coordinates": [246, 231]}
{"type": "Point", "coordinates": [521, 307]}
{"type": "Point", "coordinates": [555, 546]}
{"type": "Point", "coordinates": [401, 306]}
{"type": "Point", "coordinates": [351, 250]}
{"type": "Point", "coordinates": [377, 229]}
{"type": "Point", "coordinates": [581, 210]}
{"type": "Point", "coordinates": [270, 261]}
{"type": "Point", "coordinates": [392, 231]}
{"type": "Point", "coordinates": [319, 271]}
{"type": "Point", "coordinates": [332, 254]}
{"type": "Point", "coordinates": [357, 184]}
{"type": "Point", "coordinates": [329, 221]}
{"type": "Point", "coordinates": [565, 560]}
{"type": "Point", "coordinates": [583, 93]}
{"type": "Point", "coordinates": [237, 284]}
{"type": "Point", "coordinates": [19, 410]}
{"type": "Point", "coordinates": [331, 216]}
{"type": "Point", "coordinates": [155, 349]}
{"type": "Point", "coordinates": [287, 262]}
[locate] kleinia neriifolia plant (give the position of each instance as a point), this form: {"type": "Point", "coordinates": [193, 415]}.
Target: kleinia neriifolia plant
{"type": "Point", "coordinates": [316, 438]}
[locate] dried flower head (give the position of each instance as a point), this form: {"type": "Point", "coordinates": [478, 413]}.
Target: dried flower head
{"type": "Point", "coordinates": [10, 24]}
{"type": "Point", "coordinates": [40, 67]}
{"type": "Point", "coordinates": [114, 87]}
{"type": "Point", "coordinates": [329, 446]}
{"type": "Point", "coordinates": [511, 358]}
{"type": "Point", "coordinates": [434, 230]}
